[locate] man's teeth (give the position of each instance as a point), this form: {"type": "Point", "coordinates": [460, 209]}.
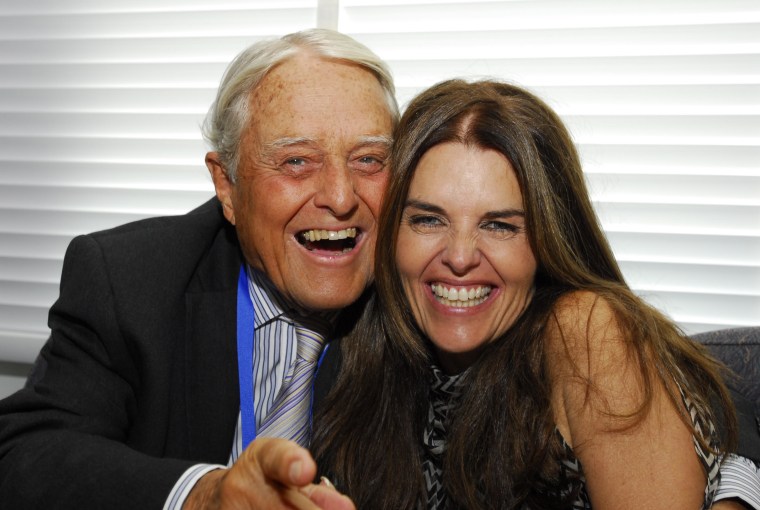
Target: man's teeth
{"type": "Point", "coordinates": [328, 235]}
{"type": "Point", "coordinates": [451, 296]}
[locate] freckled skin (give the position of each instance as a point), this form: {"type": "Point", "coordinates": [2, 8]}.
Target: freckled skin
{"type": "Point", "coordinates": [321, 182]}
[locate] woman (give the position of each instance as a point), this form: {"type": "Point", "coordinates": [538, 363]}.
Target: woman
{"type": "Point", "coordinates": [503, 362]}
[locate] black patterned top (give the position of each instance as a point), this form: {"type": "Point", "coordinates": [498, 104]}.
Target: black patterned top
{"type": "Point", "coordinates": [444, 393]}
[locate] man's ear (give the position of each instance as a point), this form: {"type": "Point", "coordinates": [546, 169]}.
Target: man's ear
{"type": "Point", "coordinates": [222, 184]}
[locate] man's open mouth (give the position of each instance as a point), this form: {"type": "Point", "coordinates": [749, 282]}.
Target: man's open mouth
{"type": "Point", "coordinates": [338, 241]}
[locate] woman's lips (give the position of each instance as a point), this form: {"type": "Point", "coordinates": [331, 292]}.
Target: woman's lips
{"type": "Point", "coordinates": [460, 296]}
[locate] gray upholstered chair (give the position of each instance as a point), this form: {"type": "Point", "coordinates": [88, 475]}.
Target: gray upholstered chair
{"type": "Point", "coordinates": [739, 349]}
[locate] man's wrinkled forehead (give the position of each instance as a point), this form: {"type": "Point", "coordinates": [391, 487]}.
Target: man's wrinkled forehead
{"type": "Point", "coordinates": [316, 104]}
{"type": "Point", "coordinates": [294, 77]}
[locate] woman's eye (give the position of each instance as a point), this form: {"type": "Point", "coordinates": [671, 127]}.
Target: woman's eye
{"type": "Point", "coordinates": [498, 225]}
{"type": "Point", "coordinates": [501, 228]}
{"type": "Point", "coordinates": [425, 222]}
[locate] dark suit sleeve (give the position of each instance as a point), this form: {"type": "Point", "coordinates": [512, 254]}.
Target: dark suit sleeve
{"type": "Point", "coordinates": [66, 440]}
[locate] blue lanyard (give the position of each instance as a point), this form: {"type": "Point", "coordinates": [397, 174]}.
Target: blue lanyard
{"type": "Point", "coordinates": [245, 330]}
{"type": "Point", "coordinates": [245, 335]}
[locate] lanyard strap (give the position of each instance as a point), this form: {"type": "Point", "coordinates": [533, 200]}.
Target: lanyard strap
{"type": "Point", "coordinates": [245, 331]}
{"type": "Point", "coordinates": [245, 336]}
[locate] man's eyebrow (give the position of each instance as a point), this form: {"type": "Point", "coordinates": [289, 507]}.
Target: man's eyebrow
{"type": "Point", "coordinates": [385, 141]}
{"type": "Point", "coordinates": [293, 141]}
{"type": "Point", "coordinates": [288, 142]}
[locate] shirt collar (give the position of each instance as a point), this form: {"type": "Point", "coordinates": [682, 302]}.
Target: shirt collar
{"type": "Point", "coordinates": [269, 304]}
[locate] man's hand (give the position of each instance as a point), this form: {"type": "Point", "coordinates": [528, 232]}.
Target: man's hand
{"type": "Point", "coordinates": [270, 474]}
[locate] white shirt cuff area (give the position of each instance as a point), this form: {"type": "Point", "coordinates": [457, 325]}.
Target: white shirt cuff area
{"type": "Point", "coordinates": [185, 484]}
{"type": "Point", "coordinates": [739, 478]}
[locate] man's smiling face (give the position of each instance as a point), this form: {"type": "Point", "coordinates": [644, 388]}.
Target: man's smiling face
{"type": "Point", "coordinates": [311, 179]}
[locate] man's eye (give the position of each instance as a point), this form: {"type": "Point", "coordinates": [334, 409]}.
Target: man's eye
{"type": "Point", "coordinates": [295, 161]}
{"type": "Point", "coordinates": [369, 164]}
{"type": "Point", "coordinates": [298, 166]}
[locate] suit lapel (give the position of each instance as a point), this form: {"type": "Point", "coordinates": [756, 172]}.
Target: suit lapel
{"type": "Point", "coordinates": [212, 378]}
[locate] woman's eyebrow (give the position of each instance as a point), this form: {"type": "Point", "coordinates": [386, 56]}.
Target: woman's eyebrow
{"type": "Point", "coordinates": [505, 213]}
{"type": "Point", "coordinates": [427, 206]}
{"type": "Point", "coordinates": [424, 206]}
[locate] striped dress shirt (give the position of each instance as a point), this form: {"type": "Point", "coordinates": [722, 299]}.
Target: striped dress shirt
{"type": "Point", "coordinates": [274, 355]}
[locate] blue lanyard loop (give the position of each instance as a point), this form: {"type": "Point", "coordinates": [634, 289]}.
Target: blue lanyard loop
{"type": "Point", "coordinates": [245, 331]}
{"type": "Point", "coordinates": [245, 337]}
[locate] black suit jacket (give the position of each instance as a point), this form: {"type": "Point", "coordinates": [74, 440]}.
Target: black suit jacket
{"type": "Point", "coordinates": [138, 380]}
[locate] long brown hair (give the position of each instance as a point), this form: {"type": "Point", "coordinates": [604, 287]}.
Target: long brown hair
{"type": "Point", "coordinates": [502, 449]}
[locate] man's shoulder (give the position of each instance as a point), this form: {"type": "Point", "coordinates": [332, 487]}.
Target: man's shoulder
{"type": "Point", "coordinates": [202, 221]}
{"type": "Point", "coordinates": [163, 248]}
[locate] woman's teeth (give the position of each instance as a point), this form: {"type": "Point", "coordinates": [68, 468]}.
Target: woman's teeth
{"type": "Point", "coordinates": [460, 298]}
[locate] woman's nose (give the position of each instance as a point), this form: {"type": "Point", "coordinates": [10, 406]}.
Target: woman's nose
{"type": "Point", "coordinates": [461, 253]}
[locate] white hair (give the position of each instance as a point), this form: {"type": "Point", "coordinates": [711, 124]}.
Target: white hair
{"type": "Point", "coordinates": [229, 113]}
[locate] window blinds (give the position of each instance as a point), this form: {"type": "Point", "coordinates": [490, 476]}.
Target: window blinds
{"type": "Point", "coordinates": [663, 100]}
{"type": "Point", "coordinates": [101, 102]}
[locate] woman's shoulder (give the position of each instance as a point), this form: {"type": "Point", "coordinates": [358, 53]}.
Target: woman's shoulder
{"type": "Point", "coordinates": [580, 305]}
{"type": "Point", "coordinates": [612, 409]}
{"type": "Point", "coordinates": [587, 349]}
{"type": "Point", "coordinates": [583, 325]}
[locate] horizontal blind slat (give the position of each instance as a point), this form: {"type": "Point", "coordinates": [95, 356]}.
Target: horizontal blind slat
{"type": "Point", "coordinates": [699, 278]}
{"type": "Point", "coordinates": [134, 201]}
{"type": "Point", "coordinates": [698, 248]}
{"type": "Point", "coordinates": [199, 24]}
{"type": "Point", "coordinates": [135, 150]}
{"type": "Point", "coordinates": [48, 7]}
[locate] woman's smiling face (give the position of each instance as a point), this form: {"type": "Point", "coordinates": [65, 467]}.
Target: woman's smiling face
{"type": "Point", "coordinates": [463, 253]}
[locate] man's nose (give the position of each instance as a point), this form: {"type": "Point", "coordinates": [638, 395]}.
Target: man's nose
{"type": "Point", "coordinates": [461, 253]}
{"type": "Point", "coordinates": [336, 190]}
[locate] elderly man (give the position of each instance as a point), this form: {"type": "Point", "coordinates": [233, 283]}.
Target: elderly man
{"type": "Point", "coordinates": [136, 400]}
